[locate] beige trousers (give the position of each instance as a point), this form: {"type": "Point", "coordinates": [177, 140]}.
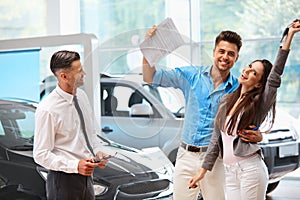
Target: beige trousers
{"type": "Point", "coordinates": [187, 165]}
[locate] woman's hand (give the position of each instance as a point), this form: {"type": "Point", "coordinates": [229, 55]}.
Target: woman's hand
{"type": "Point", "coordinates": [292, 29]}
{"type": "Point", "coordinates": [198, 177]}
{"type": "Point", "coordinates": [295, 26]}
{"type": "Point", "coordinates": [250, 135]}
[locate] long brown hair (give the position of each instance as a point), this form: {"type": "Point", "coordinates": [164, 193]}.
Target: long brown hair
{"type": "Point", "coordinates": [248, 105]}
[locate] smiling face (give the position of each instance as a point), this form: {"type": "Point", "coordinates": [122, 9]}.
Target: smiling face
{"type": "Point", "coordinates": [225, 55]}
{"type": "Point", "coordinates": [76, 74]}
{"type": "Point", "coordinates": [251, 76]}
{"type": "Point", "coordinates": [72, 78]}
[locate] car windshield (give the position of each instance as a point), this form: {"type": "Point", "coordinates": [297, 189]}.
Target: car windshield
{"type": "Point", "coordinates": [16, 126]}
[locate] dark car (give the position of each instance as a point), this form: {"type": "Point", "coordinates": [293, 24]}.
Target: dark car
{"type": "Point", "coordinates": [132, 174]}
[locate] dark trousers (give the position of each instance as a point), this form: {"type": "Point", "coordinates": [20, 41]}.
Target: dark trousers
{"type": "Point", "coordinates": [64, 186]}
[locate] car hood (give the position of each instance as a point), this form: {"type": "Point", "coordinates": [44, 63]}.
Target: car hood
{"type": "Point", "coordinates": [132, 163]}
{"type": "Point", "coordinates": [128, 162]}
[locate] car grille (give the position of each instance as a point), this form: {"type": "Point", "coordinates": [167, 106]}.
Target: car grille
{"type": "Point", "coordinates": [142, 189]}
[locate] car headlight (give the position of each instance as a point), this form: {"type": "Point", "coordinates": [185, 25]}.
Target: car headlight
{"type": "Point", "coordinates": [99, 189]}
{"type": "Point", "coordinates": [166, 172]}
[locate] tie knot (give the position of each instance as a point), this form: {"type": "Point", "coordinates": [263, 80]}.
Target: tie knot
{"type": "Point", "coordinates": [75, 99]}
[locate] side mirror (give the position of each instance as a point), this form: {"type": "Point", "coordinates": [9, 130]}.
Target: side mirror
{"type": "Point", "coordinates": [140, 110]}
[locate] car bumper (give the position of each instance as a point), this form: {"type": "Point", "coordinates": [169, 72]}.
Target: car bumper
{"type": "Point", "coordinates": [281, 159]}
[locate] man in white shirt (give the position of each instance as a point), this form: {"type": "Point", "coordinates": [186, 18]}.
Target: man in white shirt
{"type": "Point", "coordinates": [65, 141]}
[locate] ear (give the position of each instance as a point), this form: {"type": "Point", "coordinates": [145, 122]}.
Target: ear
{"type": "Point", "coordinates": [237, 58]}
{"type": "Point", "coordinates": [258, 85]}
{"type": "Point", "coordinates": [62, 76]}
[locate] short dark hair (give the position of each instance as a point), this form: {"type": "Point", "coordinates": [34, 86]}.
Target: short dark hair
{"type": "Point", "coordinates": [63, 60]}
{"type": "Point", "coordinates": [229, 36]}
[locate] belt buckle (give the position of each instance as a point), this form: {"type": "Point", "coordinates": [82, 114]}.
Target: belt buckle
{"type": "Point", "coordinates": [186, 146]}
{"type": "Point", "coordinates": [194, 148]}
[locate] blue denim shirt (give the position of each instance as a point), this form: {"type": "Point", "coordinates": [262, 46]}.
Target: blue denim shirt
{"type": "Point", "coordinates": [201, 99]}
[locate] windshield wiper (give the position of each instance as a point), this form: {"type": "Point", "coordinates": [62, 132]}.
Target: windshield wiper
{"type": "Point", "coordinates": [117, 145]}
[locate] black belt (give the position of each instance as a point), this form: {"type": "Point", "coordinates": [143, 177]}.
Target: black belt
{"type": "Point", "coordinates": [193, 148]}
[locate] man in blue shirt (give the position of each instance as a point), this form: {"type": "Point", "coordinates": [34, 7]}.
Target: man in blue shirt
{"type": "Point", "coordinates": [203, 87]}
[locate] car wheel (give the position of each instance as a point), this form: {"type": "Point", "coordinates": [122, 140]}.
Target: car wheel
{"type": "Point", "coordinates": [172, 156]}
{"type": "Point", "coordinates": [200, 197]}
{"type": "Point", "coordinates": [272, 187]}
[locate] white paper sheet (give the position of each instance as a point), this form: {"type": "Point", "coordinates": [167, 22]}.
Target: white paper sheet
{"type": "Point", "coordinates": [166, 39]}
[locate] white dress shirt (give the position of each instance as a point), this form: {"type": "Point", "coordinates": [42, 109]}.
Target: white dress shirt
{"type": "Point", "coordinates": [59, 142]}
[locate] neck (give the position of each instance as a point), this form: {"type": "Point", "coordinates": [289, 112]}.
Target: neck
{"type": "Point", "coordinates": [218, 76]}
{"type": "Point", "coordinates": [70, 90]}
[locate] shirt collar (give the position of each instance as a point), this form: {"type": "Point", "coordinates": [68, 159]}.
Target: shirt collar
{"type": "Point", "coordinates": [227, 84]}
{"type": "Point", "coordinates": [68, 97]}
{"type": "Point", "coordinates": [229, 81]}
{"type": "Point", "coordinates": [207, 70]}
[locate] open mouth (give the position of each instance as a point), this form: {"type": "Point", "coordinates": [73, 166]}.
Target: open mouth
{"type": "Point", "coordinates": [244, 77]}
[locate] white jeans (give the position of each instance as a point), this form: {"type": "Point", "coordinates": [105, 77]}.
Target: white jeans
{"type": "Point", "coordinates": [247, 179]}
{"type": "Point", "coordinates": [187, 165]}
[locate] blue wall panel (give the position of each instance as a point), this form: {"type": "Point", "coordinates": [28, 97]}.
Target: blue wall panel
{"type": "Point", "coordinates": [19, 74]}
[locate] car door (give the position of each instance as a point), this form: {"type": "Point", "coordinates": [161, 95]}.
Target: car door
{"type": "Point", "coordinates": [17, 168]}
{"type": "Point", "coordinates": [119, 122]}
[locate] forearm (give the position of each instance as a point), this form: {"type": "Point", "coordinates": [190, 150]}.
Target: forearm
{"type": "Point", "coordinates": [213, 152]}
{"type": "Point", "coordinates": [148, 71]}
{"type": "Point", "coordinates": [287, 43]}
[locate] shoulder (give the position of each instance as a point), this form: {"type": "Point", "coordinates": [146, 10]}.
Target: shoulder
{"type": "Point", "coordinates": [48, 101]}
{"type": "Point", "coordinates": [192, 71]}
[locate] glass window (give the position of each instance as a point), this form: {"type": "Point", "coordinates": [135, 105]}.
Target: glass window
{"type": "Point", "coordinates": [21, 19]}
{"type": "Point", "coordinates": [26, 125]}
{"type": "Point", "coordinates": [1, 130]}
{"type": "Point", "coordinates": [120, 100]}
{"type": "Point", "coordinates": [120, 26]}
{"type": "Point", "coordinates": [17, 125]}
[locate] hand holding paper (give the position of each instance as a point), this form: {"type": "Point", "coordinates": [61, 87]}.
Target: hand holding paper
{"type": "Point", "coordinates": [161, 41]}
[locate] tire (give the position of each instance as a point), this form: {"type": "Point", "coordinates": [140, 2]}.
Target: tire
{"type": "Point", "coordinates": [272, 187]}
{"type": "Point", "coordinates": [172, 156]}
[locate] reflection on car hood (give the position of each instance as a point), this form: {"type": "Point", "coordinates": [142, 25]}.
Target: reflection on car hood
{"type": "Point", "coordinates": [128, 162]}
{"type": "Point", "coordinates": [134, 163]}
{"type": "Point", "coordinates": [282, 130]}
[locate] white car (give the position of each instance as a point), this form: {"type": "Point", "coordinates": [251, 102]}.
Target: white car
{"type": "Point", "coordinates": [144, 116]}
{"type": "Point", "coordinates": [133, 114]}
